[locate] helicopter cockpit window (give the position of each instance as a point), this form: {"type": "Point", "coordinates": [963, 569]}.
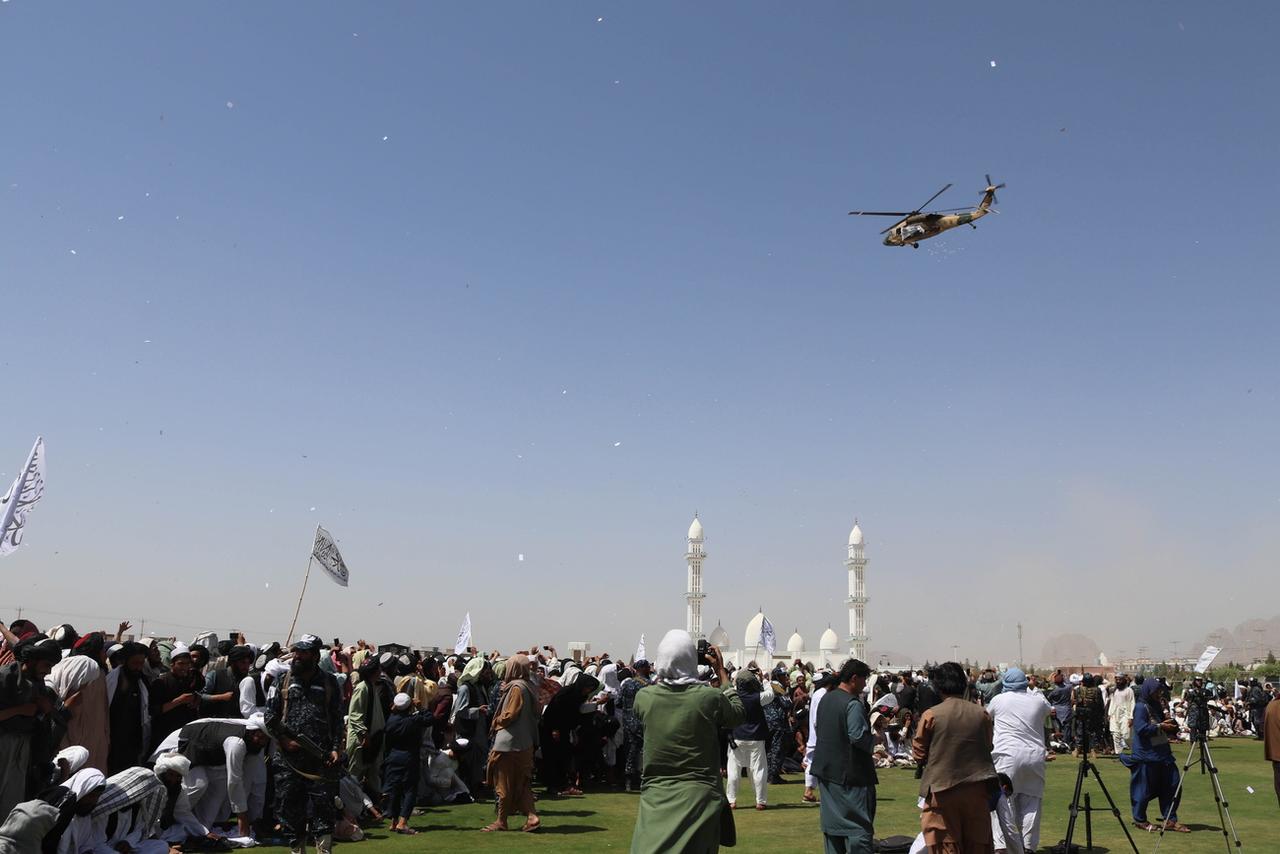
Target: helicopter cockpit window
{"type": "Point", "coordinates": [909, 230]}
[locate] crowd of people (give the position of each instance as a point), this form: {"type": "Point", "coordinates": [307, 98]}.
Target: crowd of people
{"type": "Point", "coordinates": [110, 744]}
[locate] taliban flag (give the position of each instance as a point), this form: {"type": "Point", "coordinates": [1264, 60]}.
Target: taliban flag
{"type": "Point", "coordinates": [325, 551]}
{"type": "Point", "coordinates": [768, 638]}
{"type": "Point", "coordinates": [27, 489]}
{"type": "Point", "coordinates": [464, 636]}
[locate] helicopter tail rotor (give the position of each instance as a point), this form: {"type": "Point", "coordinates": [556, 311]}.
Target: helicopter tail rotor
{"type": "Point", "coordinates": [991, 188]}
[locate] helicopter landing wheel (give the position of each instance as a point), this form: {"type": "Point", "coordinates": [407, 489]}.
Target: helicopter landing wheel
{"type": "Point", "coordinates": [974, 227]}
{"type": "Point", "coordinates": [915, 245]}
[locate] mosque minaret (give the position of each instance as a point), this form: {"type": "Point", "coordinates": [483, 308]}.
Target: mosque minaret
{"type": "Point", "coordinates": [857, 565]}
{"type": "Point", "coordinates": [693, 597]}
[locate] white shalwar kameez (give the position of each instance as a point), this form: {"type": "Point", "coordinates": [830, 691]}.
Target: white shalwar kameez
{"type": "Point", "coordinates": [1019, 752]}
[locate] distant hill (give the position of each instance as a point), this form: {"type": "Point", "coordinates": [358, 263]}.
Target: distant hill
{"type": "Point", "coordinates": [1069, 649]}
{"type": "Point", "coordinates": [1247, 641]}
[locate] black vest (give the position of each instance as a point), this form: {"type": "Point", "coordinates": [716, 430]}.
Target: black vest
{"type": "Point", "coordinates": [835, 759]}
{"type": "Point", "coordinates": [753, 727]}
{"type": "Point", "coordinates": [202, 742]}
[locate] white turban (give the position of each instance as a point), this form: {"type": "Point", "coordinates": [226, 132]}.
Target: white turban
{"type": "Point", "coordinates": [677, 661]}
{"type": "Point", "coordinates": [276, 668]}
{"type": "Point", "coordinates": [257, 722]}
{"type": "Point", "coordinates": [83, 782]}
{"type": "Point", "coordinates": [76, 757]}
{"type": "Point", "coordinates": [174, 762]}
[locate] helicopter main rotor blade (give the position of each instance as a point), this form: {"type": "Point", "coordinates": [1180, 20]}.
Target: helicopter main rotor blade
{"type": "Point", "coordinates": [880, 213]}
{"type": "Point", "coordinates": [931, 198]}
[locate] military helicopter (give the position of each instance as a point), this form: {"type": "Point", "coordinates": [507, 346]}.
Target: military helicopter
{"type": "Point", "coordinates": [914, 226]}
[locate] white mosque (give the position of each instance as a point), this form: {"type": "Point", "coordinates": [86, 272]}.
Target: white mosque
{"type": "Point", "coordinates": [830, 652]}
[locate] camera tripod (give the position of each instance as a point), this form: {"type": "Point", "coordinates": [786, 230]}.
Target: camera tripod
{"type": "Point", "coordinates": [1086, 766]}
{"type": "Point", "coordinates": [1199, 753]}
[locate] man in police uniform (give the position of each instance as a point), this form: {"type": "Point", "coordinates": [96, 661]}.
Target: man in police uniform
{"type": "Point", "coordinates": [305, 717]}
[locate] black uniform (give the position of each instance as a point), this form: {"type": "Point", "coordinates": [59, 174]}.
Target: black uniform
{"type": "Point", "coordinates": [310, 708]}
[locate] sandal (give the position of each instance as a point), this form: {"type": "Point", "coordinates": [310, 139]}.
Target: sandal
{"type": "Point", "coordinates": [1145, 825]}
{"type": "Point", "coordinates": [1176, 827]}
{"type": "Point", "coordinates": [407, 831]}
{"type": "Point", "coordinates": [532, 825]}
{"type": "Point", "coordinates": [809, 799]}
{"type": "Point", "coordinates": [493, 828]}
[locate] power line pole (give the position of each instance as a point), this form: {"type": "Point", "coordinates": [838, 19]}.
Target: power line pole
{"type": "Point", "coordinates": [19, 612]}
{"type": "Point", "coordinates": [1020, 661]}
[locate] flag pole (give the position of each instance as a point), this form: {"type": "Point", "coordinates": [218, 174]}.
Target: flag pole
{"type": "Point", "coordinates": [311, 557]}
{"type": "Point", "coordinates": [297, 610]}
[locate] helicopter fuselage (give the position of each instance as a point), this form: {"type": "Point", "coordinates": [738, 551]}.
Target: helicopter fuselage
{"type": "Point", "coordinates": [922, 226]}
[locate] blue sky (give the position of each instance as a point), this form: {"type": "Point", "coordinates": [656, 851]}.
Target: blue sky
{"type": "Point", "coordinates": [422, 267]}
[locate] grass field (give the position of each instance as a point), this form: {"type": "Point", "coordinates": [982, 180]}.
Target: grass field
{"type": "Point", "coordinates": [603, 821]}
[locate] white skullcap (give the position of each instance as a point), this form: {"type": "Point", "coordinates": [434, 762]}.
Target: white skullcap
{"type": "Point", "coordinates": [401, 701]}
{"type": "Point", "coordinates": [462, 742]}
{"type": "Point", "coordinates": [1076, 679]}
{"type": "Point", "coordinates": [276, 668]}
{"type": "Point", "coordinates": [179, 648]}
{"type": "Point", "coordinates": [174, 762]}
{"type": "Point", "coordinates": [257, 722]}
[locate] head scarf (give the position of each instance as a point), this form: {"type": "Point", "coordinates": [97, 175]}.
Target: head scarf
{"type": "Point", "coordinates": [72, 674]}
{"type": "Point", "coordinates": [500, 669]}
{"type": "Point", "coordinates": [1014, 679]}
{"type": "Point", "coordinates": [677, 659]}
{"type": "Point", "coordinates": [91, 645]}
{"type": "Point", "coordinates": [138, 787]}
{"type": "Point", "coordinates": [76, 758]}
{"type": "Point", "coordinates": [85, 782]}
{"type": "Point", "coordinates": [746, 680]}
{"type": "Point", "coordinates": [175, 762]}
{"type": "Point", "coordinates": [609, 678]}
{"type": "Point", "coordinates": [1149, 694]}
{"type": "Point", "coordinates": [517, 668]}
{"type": "Point", "coordinates": [472, 671]}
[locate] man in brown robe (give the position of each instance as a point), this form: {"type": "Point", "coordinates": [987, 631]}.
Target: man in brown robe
{"type": "Point", "coordinates": [953, 744]}
{"type": "Point", "coordinates": [1271, 738]}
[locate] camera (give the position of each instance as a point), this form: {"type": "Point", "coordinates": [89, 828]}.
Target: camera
{"type": "Point", "coordinates": [1196, 699]}
{"type": "Point", "coordinates": [704, 653]}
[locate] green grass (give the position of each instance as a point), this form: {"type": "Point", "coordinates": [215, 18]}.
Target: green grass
{"type": "Point", "coordinates": [603, 821]}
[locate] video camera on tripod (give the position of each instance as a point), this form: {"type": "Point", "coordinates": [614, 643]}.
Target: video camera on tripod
{"type": "Point", "coordinates": [1196, 700]}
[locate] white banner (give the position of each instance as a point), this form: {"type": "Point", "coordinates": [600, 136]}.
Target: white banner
{"type": "Point", "coordinates": [27, 489]}
{"type": "Point", "coordinates": [464, 636]}
{"type": "Point", "coordinates": [1206, 658]}
{"type": "Point", "coordinates": [326, 553]}
{"type": "Point", "coordinates": [768, 639]}
{"type": "Point", "coordinates": [640, 653]}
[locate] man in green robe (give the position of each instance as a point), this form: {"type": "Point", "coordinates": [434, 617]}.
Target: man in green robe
{"type": "Point", "coordinates": [366, 721]}
{"type": "Point", "coordinates": [843, 765]}
{"type": "Point", "coordinates": [682, 801]}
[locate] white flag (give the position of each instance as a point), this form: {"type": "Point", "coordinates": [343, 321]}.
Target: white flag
{"type": "Point", "coordinates": [1206, 658]}
{"type": "Point", "coordinates": [27, 489]}
{"type": "Point", "coordinates": [640, 653]}
{"type": "Point", "coordinates": [326, 553]}
{"type": "Point", "coordinates": [768, 639]}
{"type": "Point", "coordinates": [464, 636]}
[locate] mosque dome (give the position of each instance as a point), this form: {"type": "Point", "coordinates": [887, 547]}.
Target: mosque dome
{"type": "Point", "coordinates": [830, 640]}
{"type": "Point", "coordinates": [796, 644]}
{"type": "Point", "coordinates": [719, 637]}
{"type": "Point", "coordinates": [855, 536]}
{"type": "Point", "coordinates": [752, 638]}
{"type": "Point", "coordinates": [695, 530]}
